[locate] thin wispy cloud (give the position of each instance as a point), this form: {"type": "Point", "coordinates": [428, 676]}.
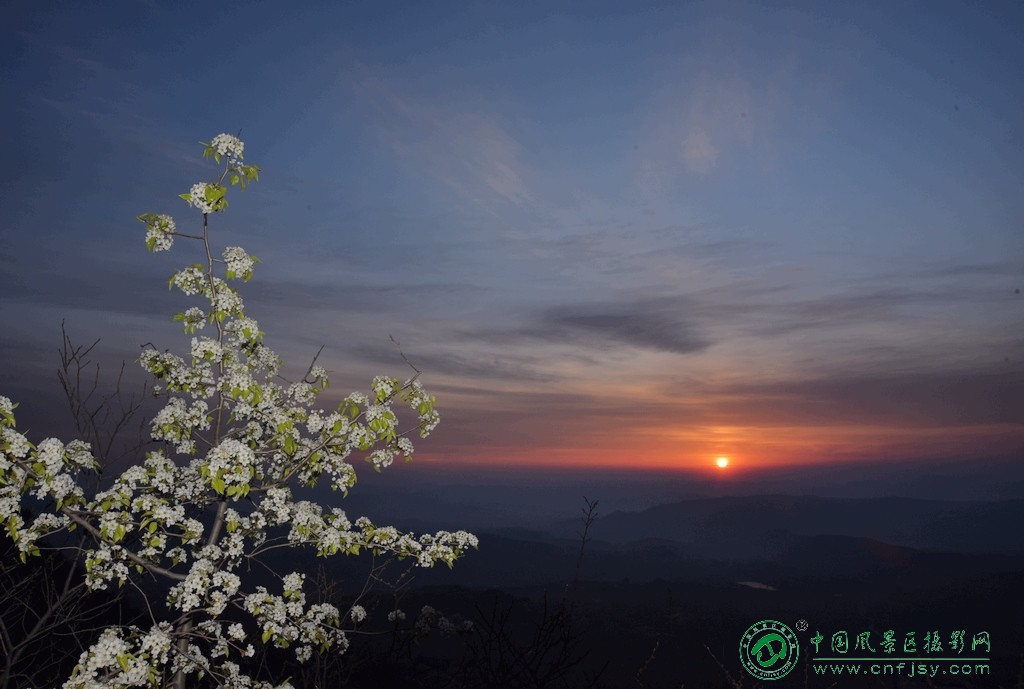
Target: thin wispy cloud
{"type": "Point", "coordinates": [451, 139]}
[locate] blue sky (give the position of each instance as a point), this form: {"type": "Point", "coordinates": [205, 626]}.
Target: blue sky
{"type": "Point", "coordinates": [632, 234]}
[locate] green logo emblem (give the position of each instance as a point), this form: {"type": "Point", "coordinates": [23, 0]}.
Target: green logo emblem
{"type": "Point", "coordinates": [769, 650]}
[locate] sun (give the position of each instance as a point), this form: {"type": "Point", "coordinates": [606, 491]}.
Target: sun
{"type": "Point", "coordinates": [722, 462]}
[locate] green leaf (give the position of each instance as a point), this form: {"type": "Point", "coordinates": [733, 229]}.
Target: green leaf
{"type": "Point", "coordinates": [266, 635]}
{"type": "Point", "coordinates": [218, 485]}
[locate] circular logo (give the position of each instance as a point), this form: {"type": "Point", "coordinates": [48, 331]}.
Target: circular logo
{"type": "Point", "coordinates": [769, 650]}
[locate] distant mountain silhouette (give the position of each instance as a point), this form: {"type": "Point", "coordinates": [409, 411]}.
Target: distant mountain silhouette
{"type": "Point", "coordinates": [762, 525]}
{"type": "Point", "coordinates": [763, 538]}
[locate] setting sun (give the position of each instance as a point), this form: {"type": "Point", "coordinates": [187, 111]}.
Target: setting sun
{"type": "Point", "coordinates": [722, 462]}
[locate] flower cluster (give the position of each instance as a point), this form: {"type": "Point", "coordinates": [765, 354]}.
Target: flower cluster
{"type": "Point", "coordinates": [230, 147]}
{"type": "Point", "coordinates": [239, 263]}
{"type": "Point", "coordinates": [431, 619]}
{"type": "Point", "coordinates": [177, 423]}
{"type": "Point", "coordinates": [160, 230]}
{"type": "Point", "coordinates": [193, 318]}
{"type": "Point", "coordinates": [110, 662]}
{"type": "Point", "coordinates": [247, 441]}
{"type": "Point", "coordinates": [289, 621]}
{"type": "Point", "coordinates": [202, 196]}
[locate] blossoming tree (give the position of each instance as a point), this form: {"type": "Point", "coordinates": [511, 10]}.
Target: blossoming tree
{"type": "Point", "coordinates": [222, 492]}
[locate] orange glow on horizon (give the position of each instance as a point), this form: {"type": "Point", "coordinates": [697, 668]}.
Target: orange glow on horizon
{"type": "Point", "coordinates": [750, 448]}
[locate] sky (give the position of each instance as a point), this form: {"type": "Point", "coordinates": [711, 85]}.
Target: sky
{"type": "Point", "coordinates": [611, 234]}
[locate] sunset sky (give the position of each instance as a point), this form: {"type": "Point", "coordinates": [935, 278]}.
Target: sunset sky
{"type": "Point", "coordinates": [625, 234]}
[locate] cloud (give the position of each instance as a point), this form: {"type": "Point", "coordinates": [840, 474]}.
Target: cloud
{"type": "Point", "coordinates": [735, 95]}
{"type": "Point", "coordinates": [697, 122]}
{"type": "Point", "coordinates": [647, 325]}
{"type": "Point", "coordinates": [483, 420]}
{"type": "Point", "coordinates": [699, 152]}
{"type": "Point", "coordinates": [840, 311]}
{"type": "Point", "coordinates": [958, 397]}
{"type": "Point", "coordinates": [653, 324]}
{"type": "Point", "coordinates": [462, 144]}
{"type": "Point", "coordinates": [959, 412]}
{"type": "Point", "coordinates": [458, 363]}
{"type": "Point", "coordinates": [101, 91]}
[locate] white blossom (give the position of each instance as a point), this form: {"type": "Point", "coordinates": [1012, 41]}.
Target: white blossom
{"type": "Point", "coordinates": [160, 230]}
{"type": "Point", "coordinates": [194, 318]}
{"type": "Point", "coordinates": [207, 348]}
{"type": "Point", "coordinates": [190, 280]}
{"type": "Point", "coordinates": [239, 263]}
{"type": "Point", "coordinates": [381, 458]}
{"type": "Point", "coordinates": [197, 197]}
{"type": "Point", "coordinates": [230, 146]}
{"type": "Point", "coordinates": [18, 445]}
